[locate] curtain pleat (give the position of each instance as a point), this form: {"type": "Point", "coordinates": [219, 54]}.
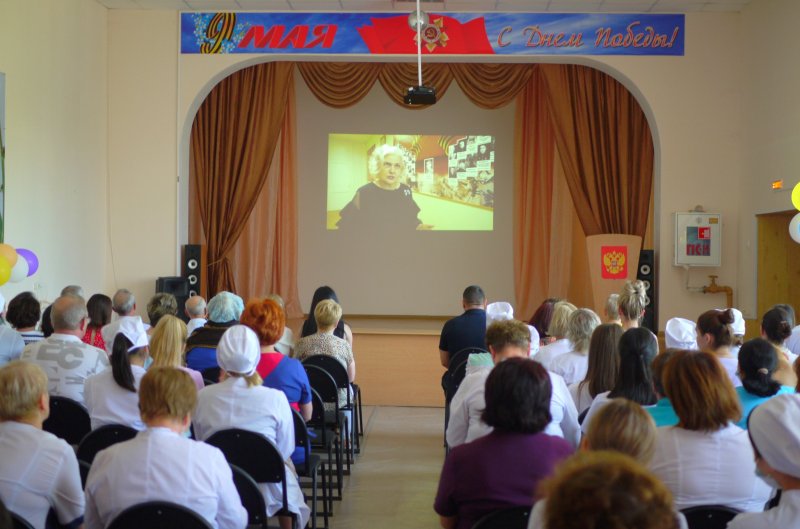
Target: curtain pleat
{"type": "Point", "coordinates": [492, 85]}
{"type": "Point", "coordinates": [233, 139]}
{"type": "Point", "coordinates": [339, 84]}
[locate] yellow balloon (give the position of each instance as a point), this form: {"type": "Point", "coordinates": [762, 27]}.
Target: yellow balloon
{"type": "Point", "coordinates": [5, 270]}
{"type": "Point", "coordinates": [8, 251]}
{"type": "Point", "coordinates": [796, 196]}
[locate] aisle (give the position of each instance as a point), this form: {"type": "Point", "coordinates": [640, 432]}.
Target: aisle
{"type": "Point", "coordinates": [394, 482]}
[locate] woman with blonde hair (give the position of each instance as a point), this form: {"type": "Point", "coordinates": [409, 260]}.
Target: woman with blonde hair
{"type": "Point", "coordinates": [167, 344]}
{"type": "Point", "coordinates": [557, 330]}
{"type": "Point", "coordinates": [631, 304]}
{"type": "Point", "coordinates": [574, 364]}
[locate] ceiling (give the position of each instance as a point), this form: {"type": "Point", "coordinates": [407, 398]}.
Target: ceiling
{"type": "Point", "coordinates": [556, 6]}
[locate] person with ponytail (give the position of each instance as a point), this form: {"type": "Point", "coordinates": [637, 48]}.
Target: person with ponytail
{"type": "Point", "coordinates": [637, 349]}
{"type": "Point", "coordinates": [240, 400]}
{"type": "Point", "coordinates": [757, 365]}
{"type": "Point", "coordinates": [776, 327]}
{"type": "Point", "coordinates": [112, 395]}
{"type": "Point", "coordinates": [715, 336]}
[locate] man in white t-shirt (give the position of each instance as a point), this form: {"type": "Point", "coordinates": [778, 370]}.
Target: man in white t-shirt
{"type": "Point", "coordinates": [66, 360]}
{"type": "Point", "coordinates": [38, 471]}
{"type": "Point", "coordinates": [197, 313]}
{"type": "Point", "coordinates": [124, 305]}
{"type": "Point", "coordinates": [506, 339]}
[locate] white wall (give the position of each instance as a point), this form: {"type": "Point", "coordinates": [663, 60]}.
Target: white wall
{"type": "Point", "coordinates": [54, 55]}
{"type": "Point", "coordinates": [771, 84]}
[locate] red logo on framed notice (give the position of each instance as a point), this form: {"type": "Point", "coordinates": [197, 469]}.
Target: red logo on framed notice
{"type": "Point", "coordinates": [614, 262]}
{"type": "Point", "coordinates": [704, 233]}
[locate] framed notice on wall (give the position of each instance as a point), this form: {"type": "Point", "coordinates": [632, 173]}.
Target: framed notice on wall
{"type": "Point", "coordinates": [698, 239]}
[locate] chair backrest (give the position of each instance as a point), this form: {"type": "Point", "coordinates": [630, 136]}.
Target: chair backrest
{"type": "Point", "coordinates": [511, 518]}
{"type": "Point", "coordinates": [253, 453]}
{"type": "Point", "coordinates": [211, 375]}
{"type": "Point", "coordinates": [582, 416]}
{"type": "Point", "coordinates": [322, 382]}
{"type": "Point", "coordinates": [709, 516]}
{"type": "Point", "coordinates": [68, 420]}
{"type": "Point", "coordinates": [158, 515]}
{"type": "Point", "coordinates": [84, 468]}
{"type": "Point", "coordinates": [455, 377]}
{"type": "Point", "coordinates": [252, 499]}
{"type": "Point", "coordinates": [201, 357]}
{"type": "Point", "coordinates": [102, 438]}
{"type": "Point", "coordinates": [334, 368]}
{"type": "Point", "coordinates": [18, 522]}
{"type": "Point", "coordinates": [301, 439]}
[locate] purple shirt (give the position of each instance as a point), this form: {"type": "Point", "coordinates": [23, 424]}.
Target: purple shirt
{"type": "Point", "coordinates": [497, 471]}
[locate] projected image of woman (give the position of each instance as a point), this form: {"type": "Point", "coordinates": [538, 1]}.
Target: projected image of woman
{"type": "Point", "coordinates": [386, 204]}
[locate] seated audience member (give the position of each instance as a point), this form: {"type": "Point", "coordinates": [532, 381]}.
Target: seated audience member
{"type": "Point", "coordinates": [506, 339]}
{"type": "Point", "coordinates": [499, 311]}
{"type": "Point", "coordinates": [240, 401]}
{"type": "Point", "coordinates": [124, 305]}
{"type": "Point", "coordinates": [776, 327]}
{"type": "Point", "coordinates": [606, 489]}
{"type": "Point", "coordinates": [159, 464]}
{"type": "Point", "coordinates": [632, 302]}
{"type": "Point", "coordinates": [23, 314]}
{"type": "Point", "coordinates": [663, 413]}
{"type": "Point", "coordinates": [637, 349]}
{"type": "Point", "coordinates": [558, 332]}
{"type": "Point", "coordinates": [99, 309]}
{"type": "Point", "coordinates": [11, 343]}
{"type": "Point", "coordinates": [38, 471]}
{"type": "Point", "coordinates": [342, 329]}
{"type": "Point", "coordinates": [775, 435]}
{"type": "Point", "coordinates": [46, 324]}
{"type": "Point", "coordinates": [680, 333]}
{"type": "Point", "coordinates": [66, 360]}
{"type": "Point", "coordinates": [166, 347]}
{"type": "Point", "coordinates": [327, 315]}
{"type": "Point", "coordinates": [466, 330]}
{"type": "Point", "coordinates": [224, 311]}
{"type": "Point", "coordinates": [706, 459]}
{"type": "Point", "coordinates": [541, 320]}
{"type": "Point", "coordinates": [574, 364]}
{"type": "Point", "coordinates": [503, 468]}
{"type": "Point", "coordinates": [285, 345]}
{"type": "Point", "coordinates": [612, 309]}
{"type": "Point", "coordinates": [757, 365]}
{"type": "Point", "coordinates": [601, 375]}
{"type": "Point", "coordinates": [195, 310]}
{"type": "Point", "coordinates": [111, 395]}
{"type": "Point", "coordinates": [160, 305]}
{"type": "Point", "coordinates": [278, 371]}
{"type": "Point", "coordinates": [738, 329]}
{"type": "Point", "coordinates": [715, 336]}
{"type": "Point", "coordinates": [624, 427]}
{"type": "Point", "coordinates": [73, 290]}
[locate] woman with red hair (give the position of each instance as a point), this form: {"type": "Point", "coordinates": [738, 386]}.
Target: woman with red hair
{"type": "Point", "coordinates": [278, 371]}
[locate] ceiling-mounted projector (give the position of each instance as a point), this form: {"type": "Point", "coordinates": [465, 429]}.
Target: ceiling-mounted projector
{"type": "Point", "coordinates": [420, 95]}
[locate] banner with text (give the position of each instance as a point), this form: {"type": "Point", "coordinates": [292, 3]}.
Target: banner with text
{"type": "Point", "coordinates": [450, 34]}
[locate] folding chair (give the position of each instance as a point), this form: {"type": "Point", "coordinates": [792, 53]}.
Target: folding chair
{"type": "Point", "coordinates": [252, 499]}
{"type": "Point", "coordinates": [312, 465]}
{"type": "Point", "coordinates": [68, 420]}
{"type": "Point", "coordinates": [256, 455]}
{"type": "Point", "coordinates": [102, 438]}
{"type": "Point", "coordinates": [323, 383]}
{"type": "Point", "coordinates": [709, 516]}
{"type": "Point", "coordinates": [326, 439]}
{"type": "Point", "coordinates": [511, 518]}
{"type": "Point", "coordinates": [339, 374]}
{"type": "Point", "coordinates": [158, 515]}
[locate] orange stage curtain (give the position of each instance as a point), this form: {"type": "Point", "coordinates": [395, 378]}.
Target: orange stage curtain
{"type": "Point", "coordinates": [339, 84]}
{"type": "Point", "coordinates": [492, 85]}
{"type": "Point", "coordinates": [233, 139]}
{"type": "Point", "coordinates": [534, 144]}
{"type": "Point", "coordinates": [605, 146]}
{"type": "Point", "coordinates": [264, 259]}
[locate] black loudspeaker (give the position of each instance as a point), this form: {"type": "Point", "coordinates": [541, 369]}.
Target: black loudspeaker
{"type": "Point", "coordinates": [193, 268]}
{"type": "Point", "coordinates": [178, 287]}
{"type": "Point", "coordinates": [647, 274]}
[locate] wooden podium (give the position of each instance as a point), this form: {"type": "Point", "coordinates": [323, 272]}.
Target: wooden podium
{"type": "Point", "coordinates": [613, 260]}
